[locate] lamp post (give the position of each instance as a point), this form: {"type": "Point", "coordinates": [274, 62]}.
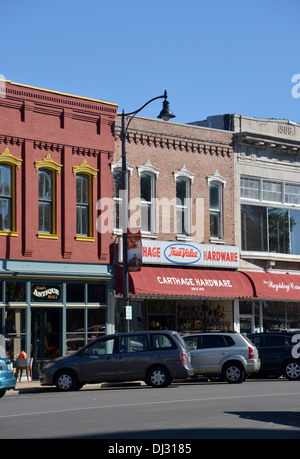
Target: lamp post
{"type": "Point", "coordinates": [165, 114]}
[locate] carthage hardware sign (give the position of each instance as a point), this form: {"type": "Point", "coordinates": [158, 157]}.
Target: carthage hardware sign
{"type": "Point", "coordinates": [175, 253]}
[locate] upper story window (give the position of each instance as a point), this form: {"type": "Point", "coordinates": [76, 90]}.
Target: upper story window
{"type": "Point", "coordinates": [216, 186]}
{"type": "Point", "coordinates": [6, 197]}
{"type": "Point", "coordinates": [147, 189]}
{"type": "Point", "coordinates": [117, 198]}
{"type": "Point", "coordinates": [8, 164]}
{"type": "Point", "coordinates": [84, 197]}
{"type": "Point", "coordinates": [46, 201]}
{"type": "Point", "coordinates": [148, 175]}
{"type": "Point", "coordinates": [270, 220]}
{"type": "Point", "coordinates": [183, 179]}
{"type": "Point", "coordinates": [47, 169]}
{"type": "Point", "coordinates": [83, 224]}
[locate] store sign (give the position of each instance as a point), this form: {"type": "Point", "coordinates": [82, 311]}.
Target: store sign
{"type": "Point", "coordinates": [175, 253]}
{"type": "Point", "coordinates": [45, 292]}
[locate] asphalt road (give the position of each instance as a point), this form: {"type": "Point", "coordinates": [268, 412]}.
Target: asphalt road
{"type": "Point", "coordinates": [198, 410]}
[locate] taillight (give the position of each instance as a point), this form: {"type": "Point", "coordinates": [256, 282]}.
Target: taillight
{"type": "Point", "coordinates": [183, 358]}
{"type": "Point", "coordinates": [251, 352]}
{"type": "Point", "coordinates": [1, 367]}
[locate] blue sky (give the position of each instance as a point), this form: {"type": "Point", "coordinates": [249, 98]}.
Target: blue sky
{"type": "Point", "coordinates": [213, 57]}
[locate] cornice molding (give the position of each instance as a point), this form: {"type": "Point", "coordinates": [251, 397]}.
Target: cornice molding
{"type": "Point", "coordinates": [179, 143]}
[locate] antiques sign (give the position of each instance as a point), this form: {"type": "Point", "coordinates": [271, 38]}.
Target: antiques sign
{"type": "Point", "coordinates": [45, 292]}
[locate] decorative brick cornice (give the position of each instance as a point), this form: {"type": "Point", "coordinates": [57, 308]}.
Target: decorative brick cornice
{"type": "Point", "coordinates": [160, 140]}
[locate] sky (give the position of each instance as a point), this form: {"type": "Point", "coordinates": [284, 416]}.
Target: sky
{"type": "Point", "coordinates": [212, 57]}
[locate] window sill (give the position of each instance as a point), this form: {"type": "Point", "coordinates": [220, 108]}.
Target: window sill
{"type": "Point", "coordinates": [9, 233]}
{"type": "Point", "coordinates": [47, 236]}
{"type": "Point", "coordinates": [85, 238]}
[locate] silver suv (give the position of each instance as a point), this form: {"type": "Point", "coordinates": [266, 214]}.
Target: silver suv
{"type": "Point", "coordinates": [156, 357]}
{"type": "Point", "coordinates": [226, 355]}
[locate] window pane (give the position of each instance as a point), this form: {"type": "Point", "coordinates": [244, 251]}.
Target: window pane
{"type": "Point", "coordinates": [215, 224]}
{"type": "Point", "coordinates": [254, 228]}
{"type": "Point", "coordinates": [5, 214]}
{"type": "Point", "coordinates": [15, 292]}
{"type": "Point", "coordinates": [146, 187]}
{"type": "Point", "coordinates": [181, 191]}
{"type": "Point", "coordinates": [278, 223]}
{"type": "Point", "coordinates": [292, 194]}
{"type": "Point", "coordinates": [5, 180]}
{"type": "Point", "coordinates": [117, 183]}
{"type": "Point", "coordinates": [96, 293]}
{"type": "Point", "coordinates": [145, 217]}
{"type": "Point", "coordinates": [295, 231]}
{"type": "Point", "coordinates": [214, 196]}
{"type": "Point", "coordinates": [272, 191]}
{"type": "Point", "coordinates": [249, 188]}
{"type": "Point", "coordinates": [75, 320]}
{"type": "Point", "coordinates": [45, 184]}
{"type": "Point", "coordinates": [75, 293]}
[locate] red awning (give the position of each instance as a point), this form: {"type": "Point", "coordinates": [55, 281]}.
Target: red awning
{"type": "Point", "coordinates": [273, 286]}
{"type": "Point", "coordinates": [168, 282]}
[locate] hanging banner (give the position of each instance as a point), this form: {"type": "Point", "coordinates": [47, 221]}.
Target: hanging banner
{"type": "Point", "coordinates": [135, 249]}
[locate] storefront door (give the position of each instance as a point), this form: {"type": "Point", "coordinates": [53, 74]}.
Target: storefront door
{"type": "Point", "coordinates": [46, 334]}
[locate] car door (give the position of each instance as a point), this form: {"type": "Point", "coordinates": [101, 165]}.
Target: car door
{"type": "Point", "coordinates": [98, 361]}
{"type": "Point", "coordinates": [133, 357]}
{"type": "Point", "coordinates": [211, 350]}
{"type": "Point", "coordinates": [271, 353]}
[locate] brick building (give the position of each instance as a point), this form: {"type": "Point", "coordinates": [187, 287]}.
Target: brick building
{"type": "Point", "coordinates": [55, 274]}
{"type": "Point", "coordinates": [181, 195]}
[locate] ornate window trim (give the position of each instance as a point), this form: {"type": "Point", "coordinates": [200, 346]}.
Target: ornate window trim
{"type": "Point", "coordinates": [48, 163]}
{"type": "Point", "coordinates": [183, 172]}
{"type": "Point", "coordinates": [148, 167]}
{"type": "Point", "coordinates": [84, 168]}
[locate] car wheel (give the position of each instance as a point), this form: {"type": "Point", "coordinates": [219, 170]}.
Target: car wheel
{"type": "Point", "coordinates": [233, 373]}
{"type": "Point", "coordinates": [291, 371]}
{"type": "Point", "coordinates": [158, 377]}
{"type": "Point", "coordinates": [2, 392]}
{"type": "Point", "coordinates": [66, 381]}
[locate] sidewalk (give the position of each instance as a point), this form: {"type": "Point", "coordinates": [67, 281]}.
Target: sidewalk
{"type": "Point", "coordinates": [32, 387]}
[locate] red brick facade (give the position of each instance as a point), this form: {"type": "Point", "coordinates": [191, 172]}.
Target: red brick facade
{"type": "Point", "coordinates": [39, 125]}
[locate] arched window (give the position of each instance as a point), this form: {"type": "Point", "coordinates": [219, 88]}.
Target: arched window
{"type": "Point", "coordinates": [216, 184]}
{"type": "Point", "coordinates": [183, 179]}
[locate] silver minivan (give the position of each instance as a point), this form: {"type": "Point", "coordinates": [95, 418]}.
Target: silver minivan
{"type": "Point", "coordinates": [225, 355]}
{"type": "Point", "coordinates": [156, 357]}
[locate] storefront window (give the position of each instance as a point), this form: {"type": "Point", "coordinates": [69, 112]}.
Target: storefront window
{"type": "Point", "coordinates": [15, 292]}
{"type": "Point", "coordinates": [96, 323]}
{"type": "Point", "coordinates": [204, 315]}
{"type": "Point", "coordinates": [161, 315]}
{"type": "Point", "coordinates": [96, 293]}
{"type": "Point", "coordinates": [75, 329]}
{"type": "Point", "coordinates": [15, 330]}
{"type": "Point", "coordinates": [278, 315]}
{"type": "Point", "coordinates": [75, 293]}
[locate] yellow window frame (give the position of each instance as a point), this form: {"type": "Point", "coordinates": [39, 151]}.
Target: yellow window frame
{"type": "Point", "coordinates": [7, 158]}
{"type": "Point", "coordinates": [48, 163]}
{"type": "Point", "coordinates": [91, 172]}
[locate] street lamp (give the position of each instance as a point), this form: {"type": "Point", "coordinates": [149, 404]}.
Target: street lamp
{"type": "Point", "coordinates": [165, 114]}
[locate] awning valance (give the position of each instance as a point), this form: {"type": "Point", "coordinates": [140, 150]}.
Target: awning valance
{"type": "Point", "coordinates": [275, 286]}
{"type": "Point", "coordinates": [168, 282]}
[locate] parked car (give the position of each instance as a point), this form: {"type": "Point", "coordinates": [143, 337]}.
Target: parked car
{"type": "Point", "coordinates": [156, 357]}
{"type": "Point", "coordinates": [276, 354]}
{"type": "Point", "coordinates": [7, 379]}
{"type": "Point", "coordinates": [224, 355]}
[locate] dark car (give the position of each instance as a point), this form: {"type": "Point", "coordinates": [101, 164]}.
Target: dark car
{"type": "Point", "coordinates": [156, 357]}
{"type": "Point", "coordinates": [278, 354]}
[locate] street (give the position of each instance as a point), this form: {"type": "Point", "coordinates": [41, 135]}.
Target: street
{"type": "Point", "coordinates": [184, 410]}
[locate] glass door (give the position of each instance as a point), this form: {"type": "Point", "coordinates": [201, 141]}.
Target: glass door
{"type": "Point", "coordinates": [246, 324]}
{"type": "Point", "coordinates": [46, 335]}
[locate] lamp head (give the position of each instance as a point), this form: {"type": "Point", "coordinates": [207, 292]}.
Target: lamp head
{"type": "Point", "coordinates": [166, 113]}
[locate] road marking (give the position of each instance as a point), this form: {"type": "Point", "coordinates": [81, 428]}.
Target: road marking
{"type": "Point", "coordinates": [127, 405]}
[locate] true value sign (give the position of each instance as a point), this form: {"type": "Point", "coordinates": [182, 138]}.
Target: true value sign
{"type": "Point", "coordinates": [176, 253]}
